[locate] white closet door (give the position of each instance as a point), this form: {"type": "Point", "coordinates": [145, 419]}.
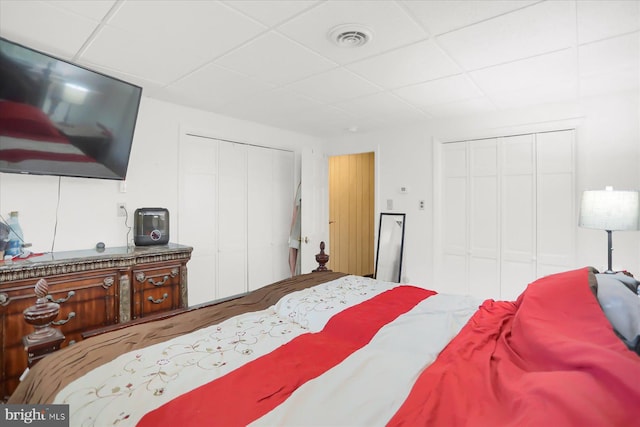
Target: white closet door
{"type": "Point", "coordinates": [197, 214]}
{"type": "Point", "coordinates": [270, 203]}
{"type": "Point", "coordinates": [232, 219]}
{"type": "Point", "coordinates": [555, 207]}
{"type": "Point", "coordinates": [283, 191]}
{"type": "Point", "coordinates": [453, 269]}
{"type": "Point", "coordinates": [518, 231]}
{"type": "Point", "coordinates": [484, 251]}
{"type": "Point", "coordinates": [260, 216]}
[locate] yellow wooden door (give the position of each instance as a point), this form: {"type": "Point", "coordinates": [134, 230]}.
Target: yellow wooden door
{"type": "Point", "coordinates": [351, 204]}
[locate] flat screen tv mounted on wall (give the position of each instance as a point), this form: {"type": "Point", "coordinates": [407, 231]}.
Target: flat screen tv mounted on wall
{"type": "Point", "coordinates": [57, 118]}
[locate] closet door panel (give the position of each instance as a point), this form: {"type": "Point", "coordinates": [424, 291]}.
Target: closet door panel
{"type": "Point", "coordinates": [484, 219]}
{"type": "Point", "coordinates": [555, 208]}
{"type": "Point", "coordinates": [284, 190]}
{"type": "Point", "coordinates": [232, 219]}
{"type": "Point", "coordinates": [259, 216]}
{"type": "Point", "coordinates": [198, 160]}
{"type": "Point", "coordinates": [518, 228]}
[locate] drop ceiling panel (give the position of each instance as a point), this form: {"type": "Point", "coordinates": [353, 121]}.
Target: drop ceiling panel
{"type": "Point", "coordinates": [448, 89]}
{"type": "Point", "coordinates": [95, 9]}
{"type": "Point", "coordinates": [390, 24]}
{"type": "Point", "coordinates": [466, 107]}
{"type": "Point", "coordinates": [407, 65]}
{"type": "Point", "coordinates": [221, 86]}
{"type": "Point", "coordinates": [541, 28]}
{"type": "Point", "coordinates": [602, 19]}
{"type": "Point", "coordinates": [380, 105]}
{"type": "Point", "coordinates": [443, 16]}
{"type": "Point", "coordinates": [271, 13]}
{"type": "Point", "coordinates": [334, 86]}
{"type": "Point", "coordinates": [533, 73]}
{"type": "Point", "coordinates": [153, 65]}
{"type": "Point", "coordinates": [38, 24]}
{"type": "Point", "coordinates": [275, 59]}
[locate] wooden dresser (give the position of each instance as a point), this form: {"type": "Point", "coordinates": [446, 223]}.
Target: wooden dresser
{"type": "Point", "coordinates": [94, 289]}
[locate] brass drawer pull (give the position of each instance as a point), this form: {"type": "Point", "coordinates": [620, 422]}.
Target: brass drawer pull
{"type": "Point", "coordinates": [158, 301]}
{"type": "Point", "coordinates": [4, 299]}
{"type": "Point", "coordinates": [61, 300]}
{"type": "Point", "coordinates": [62, 322]}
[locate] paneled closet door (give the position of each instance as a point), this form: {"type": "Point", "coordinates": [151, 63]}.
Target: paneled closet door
{"type": "Point", "coordinates": [484, 249]}
{"type": "Point", "coordinates": [452, 267]}
{"type": "Point", "coordinates": [270, 204]}
{"type": "Point", "coordinates": [555, 205]}
{"type": "Point", "coordinates": [198, 212]}
{"type": "Point", "coordinates": [518, 212]}
{"type": "Point", "coordinates": [232, 219]}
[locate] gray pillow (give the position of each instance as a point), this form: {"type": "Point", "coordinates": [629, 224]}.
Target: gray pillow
{"type": "Point", "coordinates": [620, 305]}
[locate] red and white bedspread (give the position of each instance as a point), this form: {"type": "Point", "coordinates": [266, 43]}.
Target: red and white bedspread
{"type": "Point", "coordinates": [356, 351]}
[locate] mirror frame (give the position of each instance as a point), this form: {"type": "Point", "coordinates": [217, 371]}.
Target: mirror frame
{"type": "Point", "coordinates": [401, 216]}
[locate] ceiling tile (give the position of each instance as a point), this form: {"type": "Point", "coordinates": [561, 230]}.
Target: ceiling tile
{"type": "Point", "coordinates": [221, 86]}
{"type": "Point", "coordinates": [532, 73]}
{"type": "Point", "coordinates": [275, 59]}
{"type": "Point", "coordinates": [554, 92]}
{"type": "Point", "coordinates": [443, 16]}
{"type": "Point", "coordinates": [541, 28]}
{"type": "Point", "coordinates": [207, 29]}
{"type": "Point", "coordinates": [448, 89]}
{"type": "Point", "coordinates": [271, 13]}
{"type": "Point", "coordinates": [380, 105]}
{"type": "Point", "coordinates": [273, 104]}
{"type": "Point", "coordinates": [408, 65]}
{"type": "Point", "coordinates": [601, 19]}
{"type": "Point", "coordinates": [334, 86]}
{"type": "Point", "coordinates": [38, 23]}
{"type": "Point", "coordinates": [94, 9]}
{"type": "Point", "coordinates": [389, 23]}
{"type": "Point", "coordinates": [465, 107]}
{"type": "Point", "coordinates": [381, 110]}
{"type": "Point", "coordinates": [153, 65]}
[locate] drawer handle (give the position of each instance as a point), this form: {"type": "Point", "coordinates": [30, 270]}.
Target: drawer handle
{"type": "Point", "coordinates": [61, 300]}
{"type": "Point", "coordinates": [4, 299]}
{"type": "Point", "coordinates": [62, 322]}
{"type": "Point", "coordinates": [140, 277]}
{"type": "Point", "coordinates": [158, 301]}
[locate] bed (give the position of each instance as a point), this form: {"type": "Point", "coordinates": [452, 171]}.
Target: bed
{"type": "Point", "coordinates": [333, 349]}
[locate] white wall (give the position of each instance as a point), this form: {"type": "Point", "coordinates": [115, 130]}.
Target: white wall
{"type": "Point", "coordinates": [87, 210]}
{"type": "Point", "coordinates": [607, 153]}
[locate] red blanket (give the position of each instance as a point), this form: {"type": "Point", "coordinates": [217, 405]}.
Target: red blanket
{"type": "Point", "coordinates": [549, 359]}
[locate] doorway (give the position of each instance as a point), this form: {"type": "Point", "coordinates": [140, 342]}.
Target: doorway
{"type": "Point", "coordinates": [351, 213]}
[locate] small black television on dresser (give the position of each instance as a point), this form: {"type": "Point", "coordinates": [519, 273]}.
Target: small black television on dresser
{"type": "Point", "coordinates": [58, 118]}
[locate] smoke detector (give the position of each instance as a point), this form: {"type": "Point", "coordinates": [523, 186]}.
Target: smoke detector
{"type": "Point", "coordinates": [350, 35]}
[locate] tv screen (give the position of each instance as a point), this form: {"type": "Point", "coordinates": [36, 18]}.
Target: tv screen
{"type": "Point", "coordinates": [57, 118]}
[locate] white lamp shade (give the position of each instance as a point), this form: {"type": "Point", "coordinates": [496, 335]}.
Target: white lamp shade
{"type": "Point", "coordinates": [610, 210]}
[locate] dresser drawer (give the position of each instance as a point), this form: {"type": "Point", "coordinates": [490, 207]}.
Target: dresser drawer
{"type": "Point", "coordinates": [156, 288]}
{"type": "Point", "coordinates": [86, 303]}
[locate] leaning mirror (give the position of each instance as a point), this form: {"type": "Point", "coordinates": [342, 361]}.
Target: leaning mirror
{"type": "Point", "coordinates": [390, 245]}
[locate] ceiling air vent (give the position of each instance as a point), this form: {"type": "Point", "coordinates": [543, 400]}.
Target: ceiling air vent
{"type": "Point", "coordinates": [350, 35]}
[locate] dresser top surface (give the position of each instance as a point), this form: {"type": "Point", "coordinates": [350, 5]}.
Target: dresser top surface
{"type": "Point", "coordinates": [64, 257]}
